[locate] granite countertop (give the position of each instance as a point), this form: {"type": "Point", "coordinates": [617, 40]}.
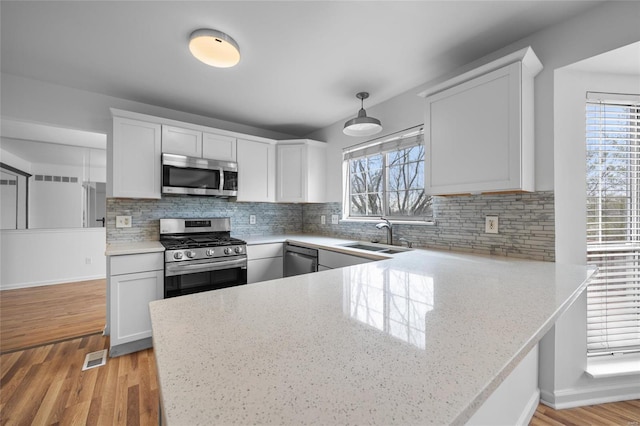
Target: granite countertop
{"type": "Point", "coordinates": [424, 337]}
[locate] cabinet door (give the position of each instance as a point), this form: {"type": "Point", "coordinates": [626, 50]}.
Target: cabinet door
{"type": "Point", "coordinates": [269, 268]}
{"type": "Point", "coordinates": [218, 147]}
{"type": "Point", "coordinates": [256, 171]}
{"type": "Point", "coordinates": [176, 140]}
{"type": "Point", "coordinates": [292, 173]}
{"type": "Point", "coordinates": [136, 159]}
{"type": "Point", "coordinates": [130, 296]}
{"type": "Point", "coordinates": [473, 135]}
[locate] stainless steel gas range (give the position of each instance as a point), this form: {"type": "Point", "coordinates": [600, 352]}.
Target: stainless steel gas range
{"type": "Point", "coordinates": [201, 255]}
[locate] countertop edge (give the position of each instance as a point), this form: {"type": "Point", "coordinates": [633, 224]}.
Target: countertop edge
{"type": "Point", "coordinates": [508, 368]}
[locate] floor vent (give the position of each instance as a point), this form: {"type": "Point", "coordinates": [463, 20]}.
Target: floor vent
{"type": "Point", "coordinates": [95, 359]}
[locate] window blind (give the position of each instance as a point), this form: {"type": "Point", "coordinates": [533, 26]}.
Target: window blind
{"type": "Point", "coordinates": [405, 139]}
{"type": "Point", "coordinates": [613, 222]}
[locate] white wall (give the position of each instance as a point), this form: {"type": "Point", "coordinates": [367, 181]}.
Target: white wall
{"type": "Point", "coordinates": [51, 256]}
{"type": "Point", "coordinates": [581, 37]}
{"type": "Point", "coordinates": [36, 101]}
{"type": "Point", "coordinates": [563, 381]}
{"type": "Point", "coordinates": [55, 204]}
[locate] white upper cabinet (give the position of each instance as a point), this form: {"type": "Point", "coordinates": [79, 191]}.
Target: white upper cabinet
{"type": "Point", "coordinates": [135, 169]}
{"type": "Point", "coordinates": [301, 169]}
{"type": "Point", "coordinates": [199, 144]}
{"type": "Point", "coordinates": [256, 170]}
{"type": "Point", "coordinates": [176, 140]}
{"type": "Point", "coordinates": [218, 147]}
{"type": "Point", "coordinates": [479, 129]}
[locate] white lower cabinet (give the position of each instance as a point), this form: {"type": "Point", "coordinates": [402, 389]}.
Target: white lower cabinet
{"type": "Point", "coordinates": [134, 281]}
{"type": "Point", "coordinates": [328, 259]}
{"type": "Point", "coordinates": [264, 262]}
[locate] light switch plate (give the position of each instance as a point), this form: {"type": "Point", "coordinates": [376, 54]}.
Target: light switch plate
{"type": "Point", "coordinates": [491, 225]}
{"type": "Point", "coordinates": [323, 220]}
{"type": "Point", "coordinates": [123, 221]}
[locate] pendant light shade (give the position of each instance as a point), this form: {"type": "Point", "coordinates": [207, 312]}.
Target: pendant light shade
{"type": "Point", "coordinates": [214, 48]}
{"type": "Point", "coordinates": [362, 125]}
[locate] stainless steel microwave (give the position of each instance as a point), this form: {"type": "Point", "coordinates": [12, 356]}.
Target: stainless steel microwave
{"type": "Point", "coordinates": [199, 176]}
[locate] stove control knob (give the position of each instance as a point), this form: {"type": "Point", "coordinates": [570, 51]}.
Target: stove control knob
{"type": "Point", "coordinates": [210, 252]}
{"type": "Point", "coordinates": [191, 254]}
{"type": "Point", "coordinates": [239, 250]}
{"type": "Point", "coordinates": [177, 255]}
{"type": "Point", "coordinates": [228, 250]}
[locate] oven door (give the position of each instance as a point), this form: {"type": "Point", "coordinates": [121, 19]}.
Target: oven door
{"type": "Point", "coordinates": [195, 276]}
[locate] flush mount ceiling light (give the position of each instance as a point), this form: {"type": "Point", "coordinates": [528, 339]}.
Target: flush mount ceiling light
{"type": "Point", "coordinates": [362, 125]}
{"type": "Point", "coordinates": [214, 48]}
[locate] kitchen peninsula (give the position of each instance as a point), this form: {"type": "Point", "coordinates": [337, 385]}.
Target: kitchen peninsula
{"type": "Point", "coordinates": [424, 337]}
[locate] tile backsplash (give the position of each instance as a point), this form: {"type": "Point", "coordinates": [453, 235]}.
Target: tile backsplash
{"type": "Point", "coordinates": [526, 225]}
{"type": "Point", "coordinates": [526, 221]}
{"type": "Point", "coordinates": [146, 214]}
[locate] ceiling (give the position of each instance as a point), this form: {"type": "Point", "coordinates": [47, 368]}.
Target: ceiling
{"type": "Point", "coordinates": [302, 61]}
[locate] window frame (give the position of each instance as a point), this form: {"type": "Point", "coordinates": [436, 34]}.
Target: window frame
{"type": "Point", "coordinates": [612, 307]}
{"type": "Point", "coordinates": [384, 147]}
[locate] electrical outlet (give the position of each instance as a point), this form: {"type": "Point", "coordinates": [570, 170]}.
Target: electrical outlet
{"type": "Point", "coordinates": [88, 261]}
{"type": "Point", "coordinates": [323, 220]}
{"type": "Point", "coordinates": [123, 221]}
{"type": "Point", "coordinates": [252, 219]}
{"type": "Point", "coordinates": [334, 219]}
{"type": "Point", "coordinates": [491, 225]}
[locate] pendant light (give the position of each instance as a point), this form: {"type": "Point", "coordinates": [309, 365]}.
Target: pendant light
{"type": "Point", "coordinates": [362, 125]}
{"type": "Point", "coordinates": [214, 48]}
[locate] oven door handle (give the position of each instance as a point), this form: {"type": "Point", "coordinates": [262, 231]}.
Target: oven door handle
{"type": "Point", "coordinates": [182, 269]}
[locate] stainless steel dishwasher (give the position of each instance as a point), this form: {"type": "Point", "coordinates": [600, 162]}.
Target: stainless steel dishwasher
{"type": "Point", "coordinates": [299, 260]}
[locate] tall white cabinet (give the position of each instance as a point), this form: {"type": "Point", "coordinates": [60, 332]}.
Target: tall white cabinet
{"type": "Point", "coordinates": [479, 129]}
{"type": "Point", "coordinates": [136, 151]}
{"type": "Point", "coordinates": [256, 170]}
{"type": "Point", "coordinates": [300, 176]}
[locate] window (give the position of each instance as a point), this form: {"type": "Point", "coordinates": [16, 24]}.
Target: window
{"type": "Point", "coordinates": [613, 222]}
{"type": "Point", "coordinates": [386, 178]}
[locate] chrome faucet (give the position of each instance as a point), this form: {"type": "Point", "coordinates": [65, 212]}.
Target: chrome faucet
{"type": "Point", "coordinates": [386, 224]}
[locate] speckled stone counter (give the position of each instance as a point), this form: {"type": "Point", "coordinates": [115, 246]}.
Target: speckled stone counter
{"type": "Point", "coordinates": [137, 247]}
{"type": "Point", "coordinates": [422, 338]}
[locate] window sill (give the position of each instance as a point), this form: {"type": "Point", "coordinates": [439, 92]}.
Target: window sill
{"type": "Point", "coordinates": [613, 366]}
{"type": "Point", "coordinates": [393, 221]}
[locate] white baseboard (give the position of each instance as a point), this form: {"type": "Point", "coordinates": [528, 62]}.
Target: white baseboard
{"type": "Point", "coordinates": [579, 397]}
{"type": "Point", "coordinates": [15, 286]}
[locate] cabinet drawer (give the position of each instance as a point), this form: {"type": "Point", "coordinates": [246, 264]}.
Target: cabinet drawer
{"type": "Point", "coordinates": [332, 260]}
{"type": "Point", "coordinates": [133, 263]}
{"type": "Point", "coordinates": [261, 251]}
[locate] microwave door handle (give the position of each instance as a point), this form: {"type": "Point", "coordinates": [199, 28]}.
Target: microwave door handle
{"type": "Point", "coordinates": [221, 174]}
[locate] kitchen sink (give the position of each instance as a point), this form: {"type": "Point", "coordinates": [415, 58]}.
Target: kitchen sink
{"type": "Point", "coordinates": [377, 248]}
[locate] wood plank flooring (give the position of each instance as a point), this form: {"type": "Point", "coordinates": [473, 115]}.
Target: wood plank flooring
{"type": "Point", "coordinates": [38, 315]}
{"type": "Point", "coordinates": [625, 413]}
{"type": "Point", "coordinates": [46, 386]}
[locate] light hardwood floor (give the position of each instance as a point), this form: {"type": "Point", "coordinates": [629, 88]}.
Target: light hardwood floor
{"type": "Point", "coordinates": [37, 315]}
{"type": "Point", "coordinates": [44, 385]}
